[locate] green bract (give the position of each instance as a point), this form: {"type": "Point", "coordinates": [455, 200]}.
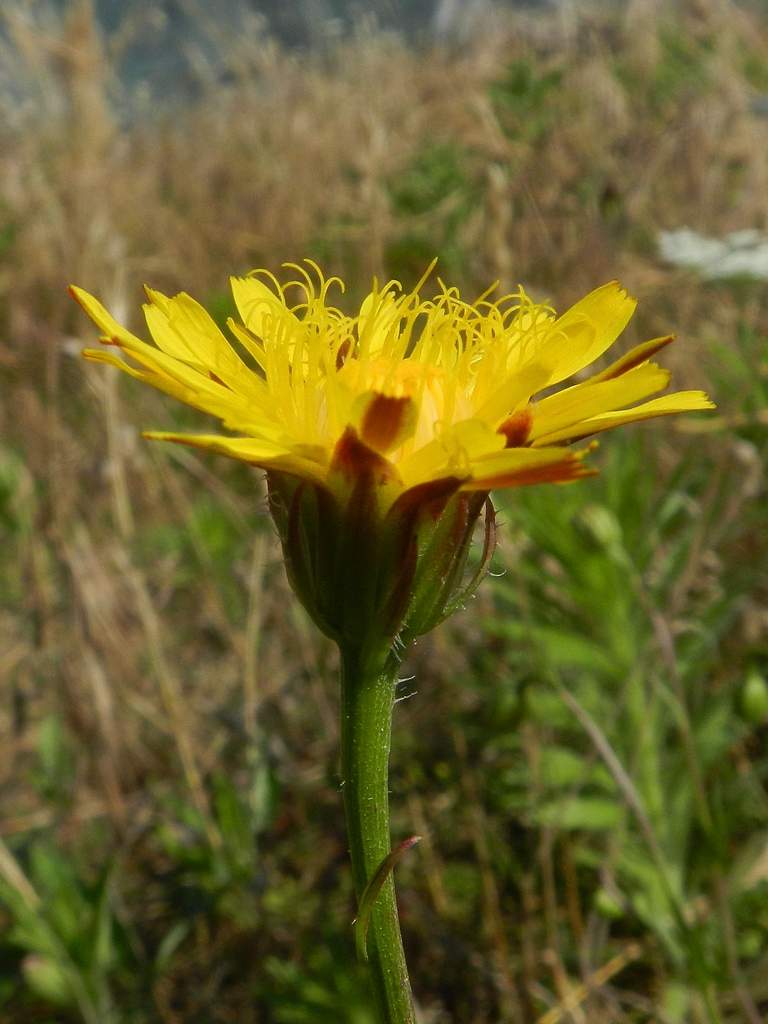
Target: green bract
{"type": "Point", "coordinates": [366, 577]}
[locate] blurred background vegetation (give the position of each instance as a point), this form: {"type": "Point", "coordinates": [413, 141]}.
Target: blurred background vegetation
{"type": "Point", "coordinates": [584, 748]}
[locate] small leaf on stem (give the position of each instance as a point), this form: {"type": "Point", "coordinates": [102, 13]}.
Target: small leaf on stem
{"type": "Point", "coordinates": [372, 890]}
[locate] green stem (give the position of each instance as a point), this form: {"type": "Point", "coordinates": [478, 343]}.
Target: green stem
{"type": "Point", "coordinates": [367, 699]}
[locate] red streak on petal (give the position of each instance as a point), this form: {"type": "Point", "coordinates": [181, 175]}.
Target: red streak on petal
{"type": "Point", "coordinates": [517, 428]}
{"type": "Point", "coordinates": [354, 459]}
{"type": "Point", "coordinates": [430, 497]}
{"type": "Point", "coordinates": [569, 468]}
{"type": "Point", "coordinates": [343, 352]}
{"type": "Point", "coordinates": [633, 358]}
{"type": "Point", "coordinates": [383, 421]}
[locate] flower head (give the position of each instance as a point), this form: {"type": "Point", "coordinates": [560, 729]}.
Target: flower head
{"type": "Point", "coordinates": [382, 433]}
{"type": "Point", "coordinates": [415, 391]}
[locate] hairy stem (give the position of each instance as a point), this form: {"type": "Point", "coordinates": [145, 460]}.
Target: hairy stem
{"type": "Point", "coordinates": [367, 699]}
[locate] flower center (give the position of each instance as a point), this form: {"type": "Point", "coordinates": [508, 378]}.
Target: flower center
{"type": "Point", "coordinates": [434, 395]}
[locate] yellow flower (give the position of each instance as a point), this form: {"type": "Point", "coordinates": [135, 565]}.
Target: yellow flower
{"type": "Point", "coordinates": [412, 391]}
{"type": "Point", "coordinates": [382, 433]}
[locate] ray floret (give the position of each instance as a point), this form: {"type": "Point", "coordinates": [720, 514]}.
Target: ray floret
{"type": "Point", "coordinates": [435, 388]}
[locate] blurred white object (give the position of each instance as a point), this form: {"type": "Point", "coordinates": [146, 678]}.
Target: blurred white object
{"type": "Point", "coordinates": [458, 19]}
{"type": "Point", "coordinates": [741, 253]}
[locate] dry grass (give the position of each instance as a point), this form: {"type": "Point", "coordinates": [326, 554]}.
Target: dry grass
{"type": "Point", "coordinates": [118, 616]}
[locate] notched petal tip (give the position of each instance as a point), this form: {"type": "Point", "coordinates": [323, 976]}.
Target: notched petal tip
{"type": "Point", "coordinates": [155, 298]}
{"type": "Point", "coordinates": [616, 286]}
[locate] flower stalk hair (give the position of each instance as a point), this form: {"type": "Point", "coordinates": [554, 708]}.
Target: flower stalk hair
{"type": "Point", "coordinates": [382, 435]}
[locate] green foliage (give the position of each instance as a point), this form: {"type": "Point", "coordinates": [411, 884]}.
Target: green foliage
{"type": "Point", "coordinates": [435, 175]}
{"type": "Point", "coordinates": [17, 495]}
{"type": "Point", "coordinates": [318, 992]}
{"type": "Point", "coordinates": [216, 865]}
{"type": "Point", "coordinates": [208, 541]}
{"type": "Point", "coordinates": [66, 928]}
{"type": "Point", "coordinates": [742, 366]}
{"type": "Point", "coordinates": [586, 611]}
{"type": "Point", "coordinates": [681, 70]}
{"type": "Point", "coordinates": [432, 200]}
{"type": "Point", "coordinates": [755, 70]}
{"type": "Point", "coordinates": [753, 698]}
{"type": "Point", "coordinates": [54, 774]}
{"type": "Point", "coordinates": [525, 99]}
{"type": "Point", "coordinates": [334, 244]}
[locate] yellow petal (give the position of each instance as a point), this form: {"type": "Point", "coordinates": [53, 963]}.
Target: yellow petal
{"type": "Point", "coordinates": [680, 401]}
{"type": "Point", "coordinates": [182, 328]}
{"type": "Point", "coordinates": [261, 310]}
{"type": "Point", "coordinates": [252, 345]}
{"type": "Point", "coordinates": [197, 381]}
{"type": "Point", "coordinates": [162, 382]}
{"type": "Point", "coordinates": [438, 389]}
{"type": "Point", "coordinates": [248, 449]}
{"type": "Point", "coordinates": [176, 378]}
{"type": "Point", "coordinates": [516, 467]}
{"type": "Point", "coordinates": [585, 331]}
{"type": "Point", "coordinates": [379, 312]}
{"type": "Point", "coordinates": [512, 393]}
{"type": "Point", "coordinates": [452, 453]}
{"type": "Point", "coordinates": [583, 401]}
{"type": "Point", "coordinates": [637, 355]}
{"type": "Point", "coordinates": [152, 358]}
{"type": "Point", "coordinates": [100, 316]}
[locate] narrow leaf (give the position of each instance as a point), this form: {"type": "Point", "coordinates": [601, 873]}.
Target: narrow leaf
{"type": "Point", "coordinates": [372, 890]}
